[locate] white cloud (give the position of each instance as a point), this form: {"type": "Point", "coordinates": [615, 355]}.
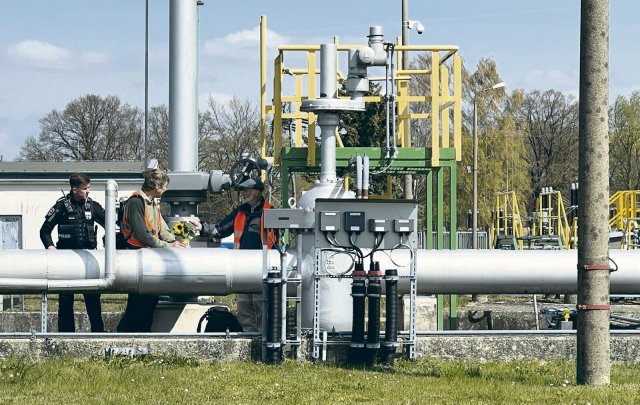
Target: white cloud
{"type": "Point", "coordinates": [45, 55]}
{"type": "Point", "coordinates": [244, 43]}
{"type": "Point", "coordinates": [38, 53]}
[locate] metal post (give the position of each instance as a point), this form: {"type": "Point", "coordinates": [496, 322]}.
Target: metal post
{"type": "Point", "coordinates": [593, 337]}
{"type": "Point", "coordinates": [146, 83]}
{"type": "Point", "coordinates": [474, 226]}
{"type": "Point", "coordinates": [408, 178]}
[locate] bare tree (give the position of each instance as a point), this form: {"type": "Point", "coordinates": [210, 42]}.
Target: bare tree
{"type": "Point", "coordinates": [89, 128]}
{"type": "Point", "coordinates": [227, 130]}
{"type": "Point", "coordinates": [549, 121]}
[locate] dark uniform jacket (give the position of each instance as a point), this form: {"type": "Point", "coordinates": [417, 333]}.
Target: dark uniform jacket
{"type": "Point", "coordinates": [250, 237]}
{"type": "Point", "coordinates": [76, 223]}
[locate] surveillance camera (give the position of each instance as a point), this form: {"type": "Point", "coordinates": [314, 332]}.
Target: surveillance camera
{"type": "Point", "coordinates": [419, 28]}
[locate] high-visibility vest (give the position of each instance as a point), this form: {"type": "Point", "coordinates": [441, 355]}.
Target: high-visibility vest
{"type": "Point", "coordinates": [239, 224]}
{"type": "Point", "coordinates": [154, 228]}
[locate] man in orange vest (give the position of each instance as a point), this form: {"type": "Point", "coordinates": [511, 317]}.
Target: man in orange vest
{"type": "Point", "coordinates": [143, 227]}
{"type": "Point", "coordinates": [247, 225]}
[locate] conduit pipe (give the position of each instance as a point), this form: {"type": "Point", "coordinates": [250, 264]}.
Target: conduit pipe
{"type": "Point", "coordinates": [358, 176]}
{"type": "Point", "coordinates": [365, 177]}
{"type": "Point", "coordinates": [227, 271]}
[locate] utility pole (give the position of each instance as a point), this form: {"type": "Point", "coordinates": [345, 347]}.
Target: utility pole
{"type": "Point", "coordinates": [593, 365]}
{"type": "Point", "coordinates": [146, 84]}
{"type": "Point", "coordinates": [408, 178]}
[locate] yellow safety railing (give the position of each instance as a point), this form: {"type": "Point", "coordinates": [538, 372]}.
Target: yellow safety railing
{"type": "Point", "coordinates": [627, 207]}
{"type": "Point", "coordinates": [445, 101]}
{"type": "Point", "coordinates": [551, 218]}
{"type": "Point", "coordinates": [506, 218]}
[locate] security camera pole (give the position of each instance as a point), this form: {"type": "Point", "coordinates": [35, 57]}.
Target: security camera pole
{"type": "Point", "coordinates": [593, 336]}
{"type": "Point", "coordinates": [408, 178]}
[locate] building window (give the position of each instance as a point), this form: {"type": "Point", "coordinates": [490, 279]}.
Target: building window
{"type": "Point", "coordinates": [10, 232]}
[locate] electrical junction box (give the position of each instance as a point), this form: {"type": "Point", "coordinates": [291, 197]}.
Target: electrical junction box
{"type": "Point", "coordinates": [354, 221]}
{"type": "Point", "coordinates": [378, 225]}
{"type": "Point", "coordinates": [379, 215]}
{"type": "Point", "coordinates": [403, 225]}
{"type": "Point", "coordinates": [283, 218]}
{"type": "Point", "coordinates": [329, 221]}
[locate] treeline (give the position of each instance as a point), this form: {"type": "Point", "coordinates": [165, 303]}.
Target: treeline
{"type": "Point", "coordinates": [527, 139]}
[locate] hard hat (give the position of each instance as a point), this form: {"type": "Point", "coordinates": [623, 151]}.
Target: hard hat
{"type": "Point", "coordinates": [254, 184]}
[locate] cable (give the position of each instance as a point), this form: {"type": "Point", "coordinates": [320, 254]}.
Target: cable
{"type": "Point", "coordinates": [357, 249]}
{"type": "Point", "coordinates": [335, 253]}
{"type": "Point", "coordinates": [400, 245]}
{"type": "Point", "coordinates": [376, 245]}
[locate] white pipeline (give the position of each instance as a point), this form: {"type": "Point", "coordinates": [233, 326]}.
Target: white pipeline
{"type": "Point", "coordinates": [225, 271]}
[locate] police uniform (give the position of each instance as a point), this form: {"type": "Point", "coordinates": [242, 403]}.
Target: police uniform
{"type": "Point", "coordinates": [76, 230]}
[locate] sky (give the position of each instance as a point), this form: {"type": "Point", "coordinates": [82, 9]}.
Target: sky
{"type": "Point", "coordinates": [52, 52]}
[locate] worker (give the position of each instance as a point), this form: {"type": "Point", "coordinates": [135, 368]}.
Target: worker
{"type": "Point", "coordinates": [144, 227]}
{"type": "Point", "coordinates": [75, 215]}
{"type": "Point", "coordinates": [246, 223]}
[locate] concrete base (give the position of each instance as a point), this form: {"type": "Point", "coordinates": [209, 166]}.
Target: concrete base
{"type": "Point", "coordinates": [486, 346]}
{"type": "Point", "coordinates": [204, 348]}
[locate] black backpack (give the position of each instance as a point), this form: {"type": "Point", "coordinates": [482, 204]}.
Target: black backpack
{"type": "Point", "coordinates": [219, 319]}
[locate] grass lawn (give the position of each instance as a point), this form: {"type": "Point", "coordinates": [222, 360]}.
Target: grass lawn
{"type": "Point", "coordinates": [183, 381]}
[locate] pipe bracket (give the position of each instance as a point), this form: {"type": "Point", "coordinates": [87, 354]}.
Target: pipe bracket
{"type": "Point", "coordinates": [596, 307]}
{"type": "Point", "coordinates": [590, 267]}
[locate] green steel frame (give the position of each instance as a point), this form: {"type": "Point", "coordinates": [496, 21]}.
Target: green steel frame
{"type": "Point", "coordinates": [408, 160]}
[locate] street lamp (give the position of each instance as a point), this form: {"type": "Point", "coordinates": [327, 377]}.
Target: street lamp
{"type": "Point", "coordinates": [408, 24]}
{"type": "Point", "coordinates": [474, 229]}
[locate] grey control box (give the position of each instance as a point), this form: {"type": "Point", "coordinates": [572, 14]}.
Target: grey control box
{"type": "Point", "coordinates": [378, 225]}
{"type": "Point", "coordinates": [283, 218]}
{"type": "Point", "coordinates": [329, 221]}
{"type": "Point", "coordinates": [403, 226]}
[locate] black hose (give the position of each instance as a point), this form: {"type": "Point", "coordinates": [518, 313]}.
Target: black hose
{"type": "Point", "coordinates": [391, 312]}
{"type": "Point", "coordinates": [373, 328]}
{"type": "Point", "coordinates": [273, 330]}
{"type": "Point", "coordinates": [358, 292]}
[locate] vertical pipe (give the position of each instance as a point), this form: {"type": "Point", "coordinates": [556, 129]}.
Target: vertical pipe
{"type": "Point", "coordinates": [183, 86]}
{"type": "Point", "coordinates": [408, 179]}
{"type": "Point", "coordinates": [327, 121]}
{"type": "Point", "coordinates": [111, 194]}
{"type": "Point", "coordinates": [328, 70]}
{"type": "Point", "coordinates": [365, 177]}
{"type": "Point", "coordinates": [593, 341]}
{"type": "Point", "coordinates": [358, 176]}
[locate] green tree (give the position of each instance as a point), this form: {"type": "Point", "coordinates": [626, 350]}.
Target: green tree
{"type": "Point", "coordinates": [624, 150]}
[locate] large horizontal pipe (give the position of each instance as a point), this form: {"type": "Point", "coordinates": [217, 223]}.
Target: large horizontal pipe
{"type": "Point", "coordinates": [224, 271]}
{"type": "Point", "coordinates": [144, 271]}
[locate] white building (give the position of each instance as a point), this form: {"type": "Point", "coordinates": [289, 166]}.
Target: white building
{"type": "Point", "coordinates": [29, 189]}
